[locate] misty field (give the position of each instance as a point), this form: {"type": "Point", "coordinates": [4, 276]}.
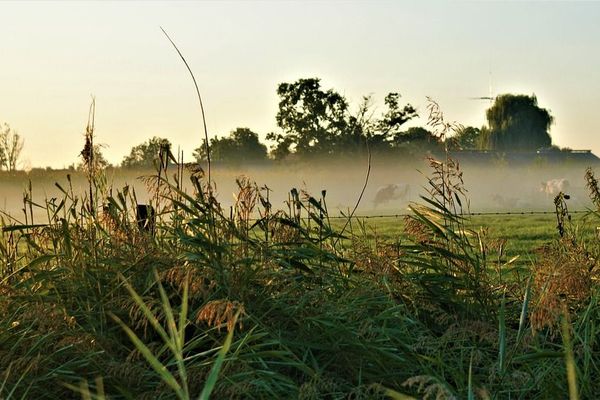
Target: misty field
{"type": "Point", "coordinates": [272, 293]}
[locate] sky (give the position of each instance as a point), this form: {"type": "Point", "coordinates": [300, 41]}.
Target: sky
{"type": "Point", "coordinates": [54, 56]}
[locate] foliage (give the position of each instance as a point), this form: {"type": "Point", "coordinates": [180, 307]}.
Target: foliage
{"type": "Point", "coordinates": [515, 122]}
{"type": "Point", "coordinates": [253, 302]}
{"type": "Point", "coordinates": [415, 141]}
{"type": "Point", "coordinates": [240, 147]}
{"type": "Point", "coordinates": [145, 154]}
{"type": "Point", "coordinates": [311, 117]}
{"type": "Point", "coordinates": [446, 257]}
{"type": "Point", "coordinates": [468, 138]}
{"type": "Point", "coordinates": [316, 122]}
{"type": "Point", "coordinates": [100, 162]}
{"type": "Point", "coordinates": [11, 146]}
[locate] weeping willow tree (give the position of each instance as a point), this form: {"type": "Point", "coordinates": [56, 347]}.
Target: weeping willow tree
{"type": "Point", "coordinates": [515, 122]}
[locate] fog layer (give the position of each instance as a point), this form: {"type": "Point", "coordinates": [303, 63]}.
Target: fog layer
{"type": "Point", "coordinates": [391, 186]}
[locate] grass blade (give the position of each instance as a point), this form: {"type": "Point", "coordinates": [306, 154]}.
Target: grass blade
{"type": "Point", "coordinates": [470, 392]}
{"type": "Point", "coordinates": [392, 394]}
{"type": "Point", "coordinates": [158, 367]}
{"type": "Point", "coordinates": [502, 337]}
{"type": "Point", "coordinates": [569, 357]}
{"type": "Point", "coordinates": [216, 368]}
{"type": "Point", "coordinates": [524, 310]}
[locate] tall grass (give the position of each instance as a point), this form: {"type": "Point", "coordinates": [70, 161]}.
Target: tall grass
{"type": "Point", "coordinates": [255, 302]}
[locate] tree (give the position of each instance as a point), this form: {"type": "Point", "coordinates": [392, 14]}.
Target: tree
{"type": "Point", "coordinates": [515, 122]}
{"type": "Point", "coordinates": [2, 151]}
{"type": "Point", "coordinates": [11, 146]}
{"type": "Point", "coordinates": [415, 134]}
{"type": "Point", "coordinates": [467, 138]}
{"type": "Point", "coordinates": [415, 140]}
{"type": "Point", "coordinates": [100, 162]}
{"type": "Point", "coordinates": [146, 154]}
{"type": "Point", "coordinates": [241, 146]}
{"type": "Point", "coordinates": [319, 122]}
{"type": "Point", "coordinates": [310, 117]}
{"type": "Point", "coordinates": [395, 116]}
{"type": "Point", "coordinates": [283, 145]}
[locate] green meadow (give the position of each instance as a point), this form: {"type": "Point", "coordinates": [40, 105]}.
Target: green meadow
{"type": "Point", "coordinates": [523, 234]}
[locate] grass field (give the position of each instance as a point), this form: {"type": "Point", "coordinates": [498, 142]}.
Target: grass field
{"type": "Point", "coordinates": [211, 301]}
{"type": "Point", "coordinates": [523, 233]}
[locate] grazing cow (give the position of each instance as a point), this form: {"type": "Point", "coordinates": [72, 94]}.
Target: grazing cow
{"type": "Point", "coordinates": [554, 186]}
{"type": "Point", "coordinates": [391, 192]}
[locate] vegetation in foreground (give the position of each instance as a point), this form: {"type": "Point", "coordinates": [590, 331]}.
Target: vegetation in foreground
{"type": "Point", "coordinates": [183, 299]}
{"type": "Point", "coordinates": [213, 302]}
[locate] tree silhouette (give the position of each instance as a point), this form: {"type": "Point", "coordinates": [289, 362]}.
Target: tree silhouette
{"type": "Point", "coordinates": [241, 146]}
{"type": "Point", "coordinates": [145, 154]}
{"type": "Point", "coordinates": [319, 122]}
{"type": "Point", "coordinates": [467, 138]}
{"type": "Point", "coordinates": [415, 140]}
{"type": "Point", "coordinates": [11, 146]}
{"type": "Point", "coordinates": [310, 117]}
{"type": "Point", "coordinates": [517, 123]}
{"type": "Point", "coordinates": [100, 162]}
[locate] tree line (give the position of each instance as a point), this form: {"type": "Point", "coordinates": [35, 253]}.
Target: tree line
{"type": "Point", "coordinates": [315, 123]}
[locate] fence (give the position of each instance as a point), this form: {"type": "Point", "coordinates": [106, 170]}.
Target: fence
{"type": "Point", "coordinates": [496, 213]}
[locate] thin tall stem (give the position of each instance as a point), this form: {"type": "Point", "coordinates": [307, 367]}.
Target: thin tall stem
{"type": "Point", "coordinates": [199, 100]}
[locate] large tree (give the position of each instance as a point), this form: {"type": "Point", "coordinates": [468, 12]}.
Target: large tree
{"type": "Point", "coordinates": [241, 146]}
{"type": "Point", "coordinates": [319, 122]}
{"type": "Point", "coordinates": [11, 146]}
{"type": "Point", "coordinates": [146, 154]}
{"type": "Point", "coordinates": [310, 117]}
{"type": "Point", "coordinates": [516, 122]}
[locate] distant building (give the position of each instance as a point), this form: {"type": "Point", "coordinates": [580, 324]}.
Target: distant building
{"type": "Point", "coordinates": [552, 156]}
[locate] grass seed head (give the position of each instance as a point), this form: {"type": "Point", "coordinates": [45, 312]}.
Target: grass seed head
{"type": "Point", "coordinates": [217, 313]}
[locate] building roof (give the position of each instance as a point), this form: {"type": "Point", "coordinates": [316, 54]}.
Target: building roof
{"type": "Point", "coordinates": [526, 157]}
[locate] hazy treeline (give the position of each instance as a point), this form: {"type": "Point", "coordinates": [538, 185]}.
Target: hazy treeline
{"type": "Point", "coordinates": [317, 123]}
{"type": "Point", "coordinates": [324, 145]}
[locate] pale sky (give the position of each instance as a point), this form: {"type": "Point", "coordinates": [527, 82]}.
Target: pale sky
{"type": "Point", "coordinates": [55, 55]}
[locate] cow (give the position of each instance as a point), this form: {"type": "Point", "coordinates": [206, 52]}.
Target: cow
{"type": "Point", "coordinates": [554, 186]}
{"type": "Point", "coordinates": [390, 192]}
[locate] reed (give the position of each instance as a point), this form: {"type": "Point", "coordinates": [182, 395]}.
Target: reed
{"type": "Point", "coordinates": [255, 302]}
